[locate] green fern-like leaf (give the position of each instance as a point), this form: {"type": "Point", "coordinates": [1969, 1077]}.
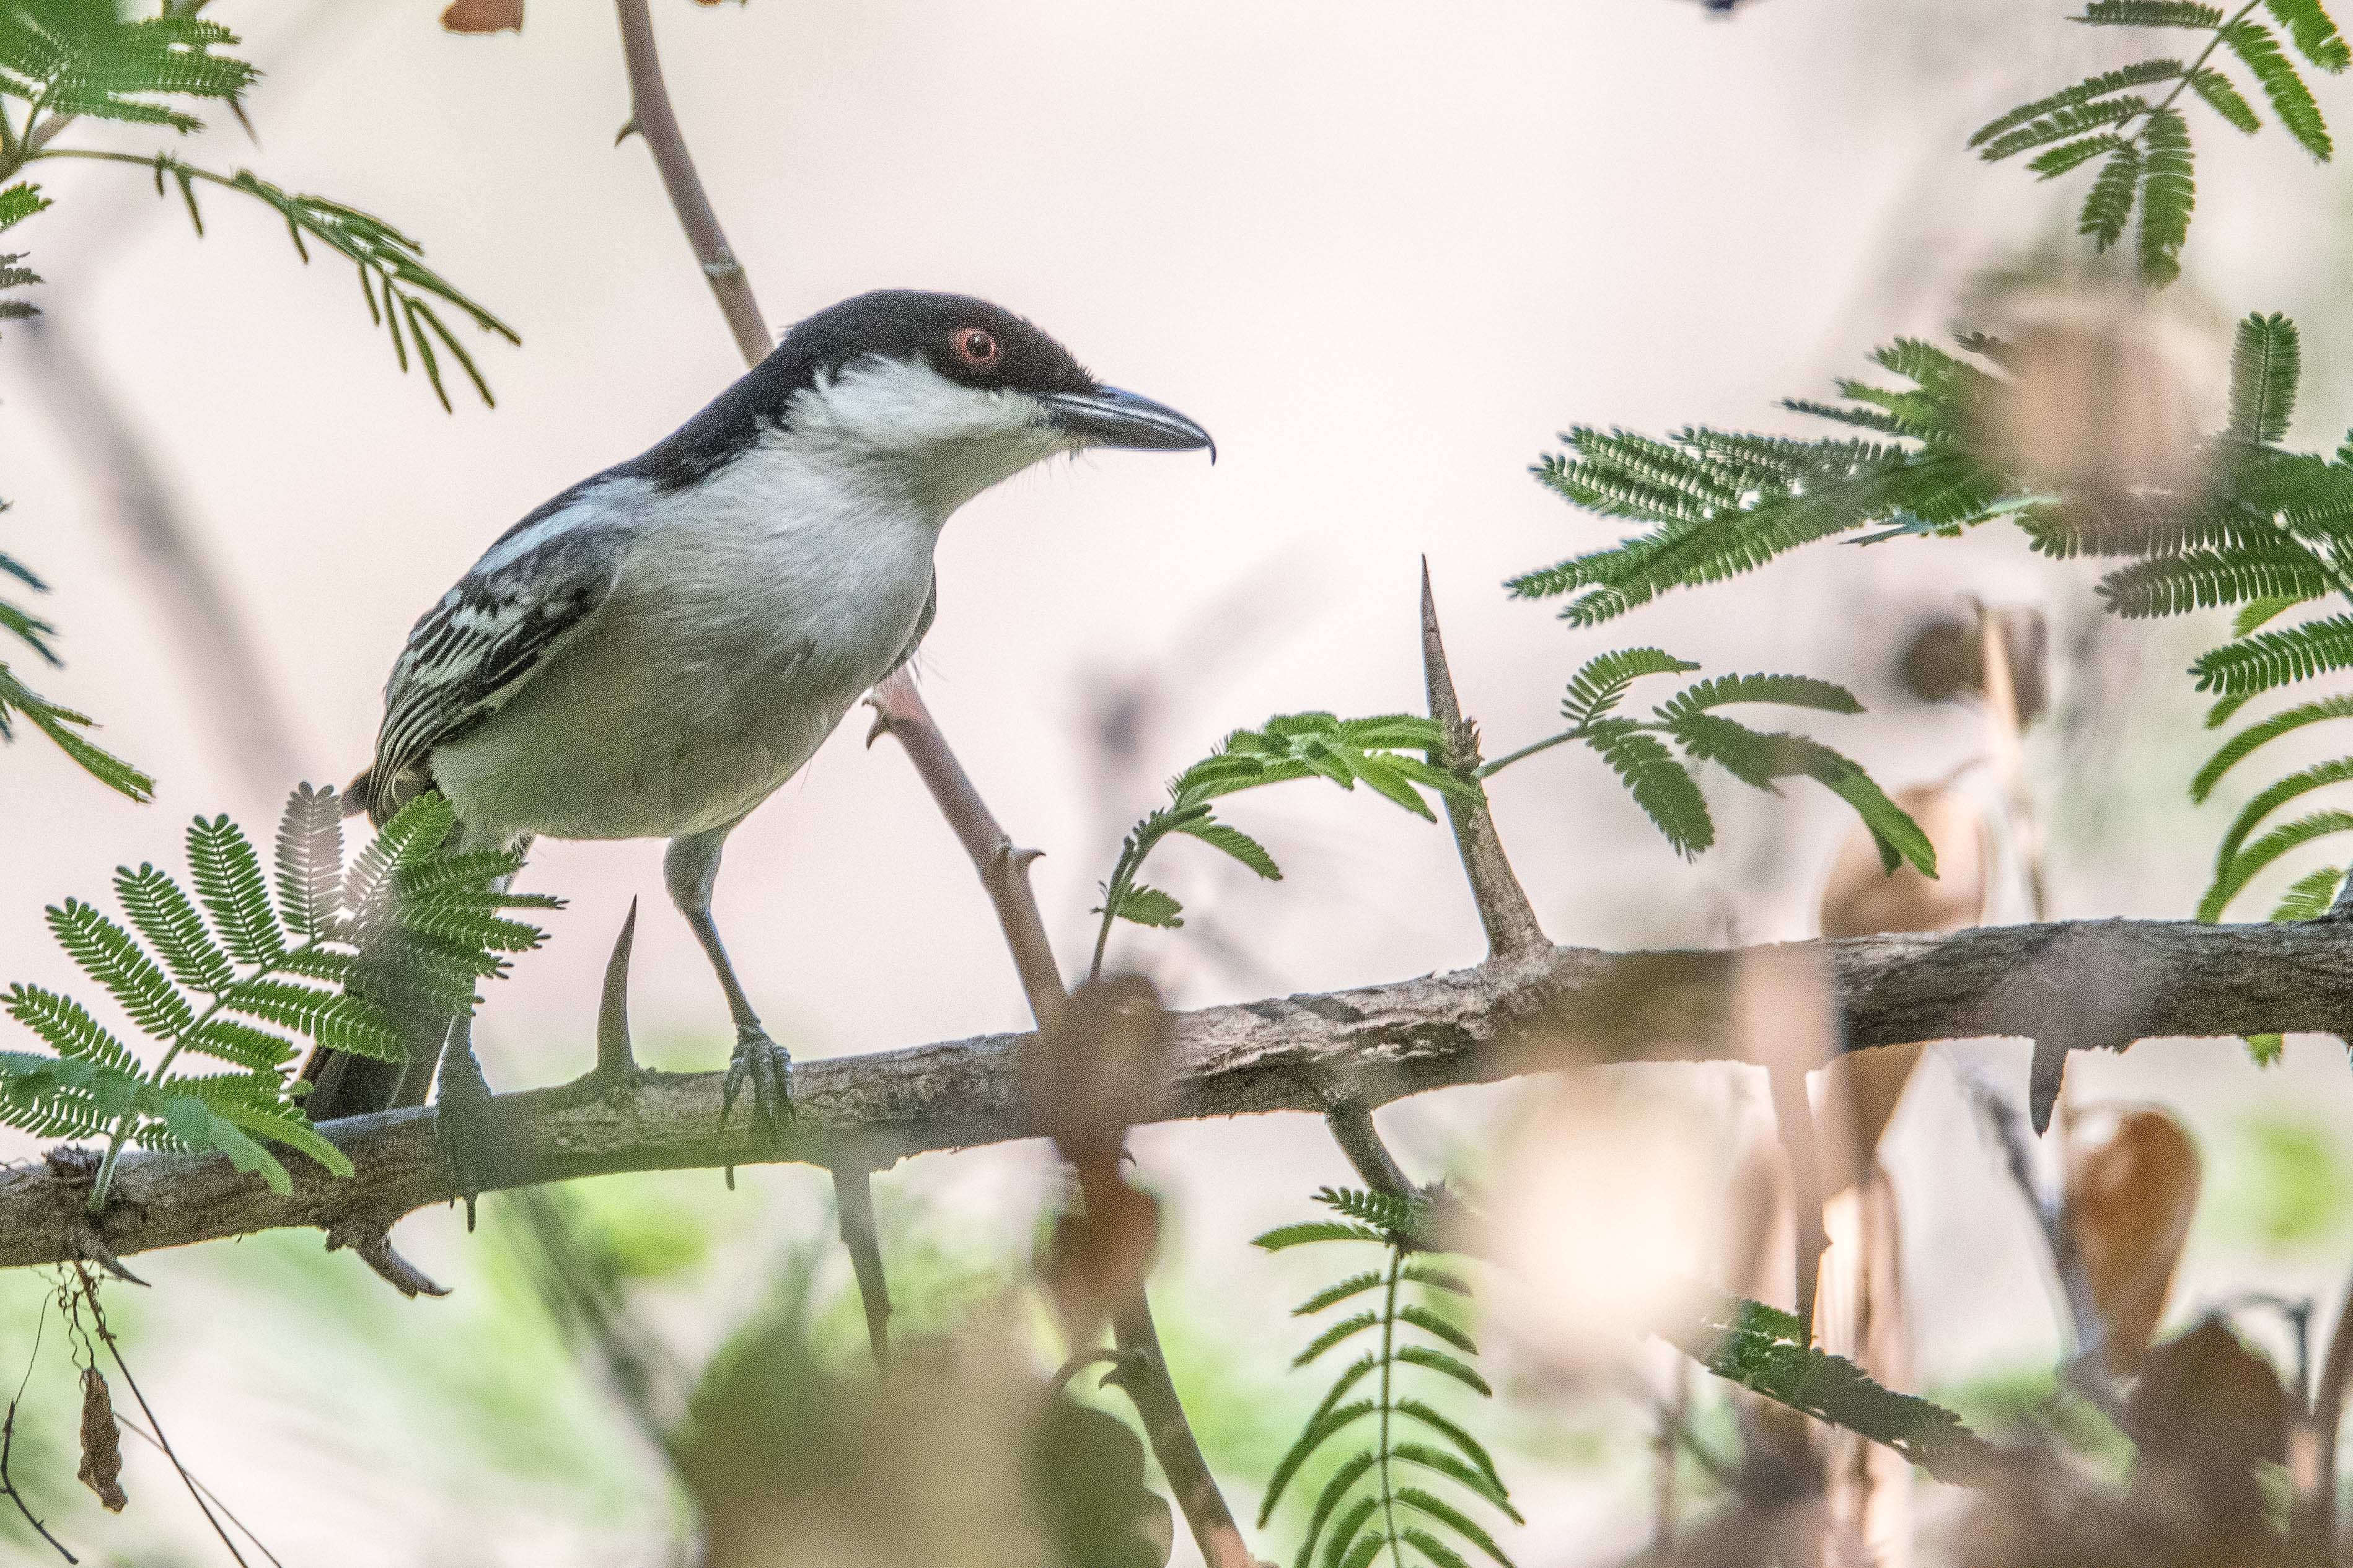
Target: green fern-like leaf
{"type": "Point", "coordinates": [311, 861]}
{"type": "Point", "coordinates": [1758, 759]}
{"type": "Point", "coordinates": [161, 911]}
{"type": "Point", "coordinates": [2151, 14]}
{"type": "Point", "coordinates": [80, 57]}
{"type": "Point", "coordinates": [1602, 681]}
{"type": "Point", "coordinates": [1769, 1352]}
{"type": "Point", "coordinates": [2291, 99]}
{"type": "Point", "coordinates": [1367, 1424]}
{"type": "Point", "coordinates": [2301, 783]}
{"type": "Point", "coordinates": [2241, 745]}
{"type": "Point", "coordinates": [109, 955]}
{"type": "Point", "coordinates": [228, 875]}
{"type": "Point", "coordinates": [2145, 73]}
{"type": "Point", "coordinates": [2268, 660]}
{"type": "Point", "coordinates": [2108, 204]}
{"type": "Point", "coordinates": [2314, 33]}
{"type": "Point", "coordinates": [1788, 690]}
{"type": "Point", "coordinates": [2222, 96]}
{"type": "Point", "coordinates": [67, 1027]}
{"type": "Point", "coordinates": [2169, 190]}
{"type": "Point", "coordinates": [2310, 896]}
{"type": "Point", "coordinates": [2231, 880]}
{"type": "Point", "coordinates": [427, 923]}
{"type": "Point", "coordinates": [1233, 841]}
{"type": "Point", "coordinates": [1148, 906]}
{"type": "Point", "coordinates": [2063, 124]}
{"type": "Point", "coordinates": [2273, 569]}
{"type": "Point", "coordinates": [2265, 362]}
{"type": "Point", "coordinates": [1660, 784]}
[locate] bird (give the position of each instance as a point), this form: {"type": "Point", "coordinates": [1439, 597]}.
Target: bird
{"type": "Point", "coordinates": [654, 651]}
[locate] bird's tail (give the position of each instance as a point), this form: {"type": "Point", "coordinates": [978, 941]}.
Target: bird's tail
{"type": "Point", "coordinates": [342, 1084]}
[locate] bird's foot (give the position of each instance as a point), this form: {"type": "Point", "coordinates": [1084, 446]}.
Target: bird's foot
{"type": "Point", "coordinates": [766, 1068]}
{"type": "Point", "coordinates": [463, 1125]}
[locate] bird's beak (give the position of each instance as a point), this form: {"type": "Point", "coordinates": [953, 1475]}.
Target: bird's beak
{"type": "Point", "coordinates": [1109, 417]}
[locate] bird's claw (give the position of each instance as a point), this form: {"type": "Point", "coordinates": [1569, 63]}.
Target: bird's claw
{"type": "Point", "coordinates": [767, 1068]}
{"type": "Point", "coordinates": [463, 1127]}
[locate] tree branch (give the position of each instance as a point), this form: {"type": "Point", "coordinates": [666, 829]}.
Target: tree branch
{"type": "Point", "coordinates": [2093, 983]}
{"type": "Point", "coordinates": [656, 123]}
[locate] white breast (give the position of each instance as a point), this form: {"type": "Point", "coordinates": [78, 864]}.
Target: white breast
{"type": "Point", "coordinates": [749, 615]}
{"type": "Point", "coordinates": [753, 608]}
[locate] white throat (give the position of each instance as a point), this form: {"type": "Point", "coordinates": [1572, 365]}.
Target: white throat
{"type": "Point", "coordinates": [903, 424]}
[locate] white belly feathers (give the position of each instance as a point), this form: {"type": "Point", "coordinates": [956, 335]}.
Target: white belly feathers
{"type": "Point", "coordinates": [750, 613]}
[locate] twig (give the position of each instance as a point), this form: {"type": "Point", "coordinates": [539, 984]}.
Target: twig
{"type": "Point", "coordinates": [1513, 930]}
{"type": "Point", "coordinates": [901, 713]}
{"type": "Point", "coordinates": [106, 1337]}
{"type": "Point", "coordinates": [1143, 1376]}
{"type": "Point", "coordinates": [654, 121]}
{"type": "Point", "coordinates": [153, 1441]}
{"type": "Point", "coordinates": [1351, 1123]}
{"type": "Point", "coordinates": [1005, 872]}
{"type": "Point", "coordinates": [8, 1444]}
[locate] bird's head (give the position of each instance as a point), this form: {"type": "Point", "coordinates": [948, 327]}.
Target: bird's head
{"type": "Point", "coordinates": [953, 392]}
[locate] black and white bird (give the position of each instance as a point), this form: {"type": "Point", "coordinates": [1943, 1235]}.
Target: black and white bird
{"type": "Point", "coordinates": [654, 651]}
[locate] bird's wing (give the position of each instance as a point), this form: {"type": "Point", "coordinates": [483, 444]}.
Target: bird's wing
{"type": "Point", "coordinates": [468, 654]}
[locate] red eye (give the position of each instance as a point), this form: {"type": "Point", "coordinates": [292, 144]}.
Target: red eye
{"type": "Point", "coordinates": [976, 348]}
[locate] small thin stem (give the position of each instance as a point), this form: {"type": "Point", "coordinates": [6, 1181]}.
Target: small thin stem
{"type": "Point", "coordinates": [1123, 877]}
{"type": "Point", "coordinates": [129, 1119]}
{"type": "Point", "coordinates": [8, 1444]}
{"type": "Point", "coordinates": [1489, 770]}
{"type": "Point", "coordinates": [1388, 1341]}
{"type": "Point", "coordinates": [2194, 67]}
{"type": "Point", "coordinates": [106, 1337]}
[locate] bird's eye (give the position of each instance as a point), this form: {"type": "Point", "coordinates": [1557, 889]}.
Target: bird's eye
{"type": "Point", "coordinates": [975, 348]}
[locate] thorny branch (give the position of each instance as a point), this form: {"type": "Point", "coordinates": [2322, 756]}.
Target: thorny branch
{"type": "Point", "coordinates": [2095, 984]}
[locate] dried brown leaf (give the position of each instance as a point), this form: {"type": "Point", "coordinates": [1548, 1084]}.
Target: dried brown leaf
{"type": "Point", "coordinates": [101, 1443]}
{"type": "Point", "coordinates": [2132, 1184]}
{"type": "Point", "coordinates": [483, 16]}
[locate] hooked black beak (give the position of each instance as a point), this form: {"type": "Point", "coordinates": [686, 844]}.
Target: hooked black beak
{"type": "Point", "coordinates": [1109, 417]}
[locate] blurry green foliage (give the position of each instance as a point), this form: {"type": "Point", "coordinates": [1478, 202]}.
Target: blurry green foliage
{"type": "Point", "coordinates": [2286, 1186]}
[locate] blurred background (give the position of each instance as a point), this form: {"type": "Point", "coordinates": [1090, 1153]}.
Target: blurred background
{"type": "Point", "coordinates": [1384, 250]}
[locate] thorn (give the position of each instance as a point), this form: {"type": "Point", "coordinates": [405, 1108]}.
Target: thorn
{"type": "Point", "coordinates": [881, 725]}
{"type": "Point", "coordinates": [2045, 1078]}
{"type": "Point", "coordinates": [628, 129]}
{"type": "Point", "coordinates": [614, 1056]}
{"type": "Point", "coordinates": [1021, 859]}
{"type": "Point", "coordinates": [1509, 920]}
{"type": "Point", "coordinates": [373, 1245]}
{"type": "Point", "coordinates": [90, 1247]}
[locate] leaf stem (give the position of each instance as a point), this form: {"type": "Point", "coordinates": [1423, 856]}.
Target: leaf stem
{"type": "Point", "coordinates": [126, 1124]}
{"type": "Point", "coordinates": [1389, 1366]}
{"type": "Point", "coordinates": [1488, 770]}
{"type": "Point", "coordinates": [2191, 73]}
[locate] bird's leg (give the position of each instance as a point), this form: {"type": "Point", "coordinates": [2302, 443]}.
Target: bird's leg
{"type": "Point", "coordinates": [461, 1116]}
{"type": "Point", "coordinates": [690, 868]}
